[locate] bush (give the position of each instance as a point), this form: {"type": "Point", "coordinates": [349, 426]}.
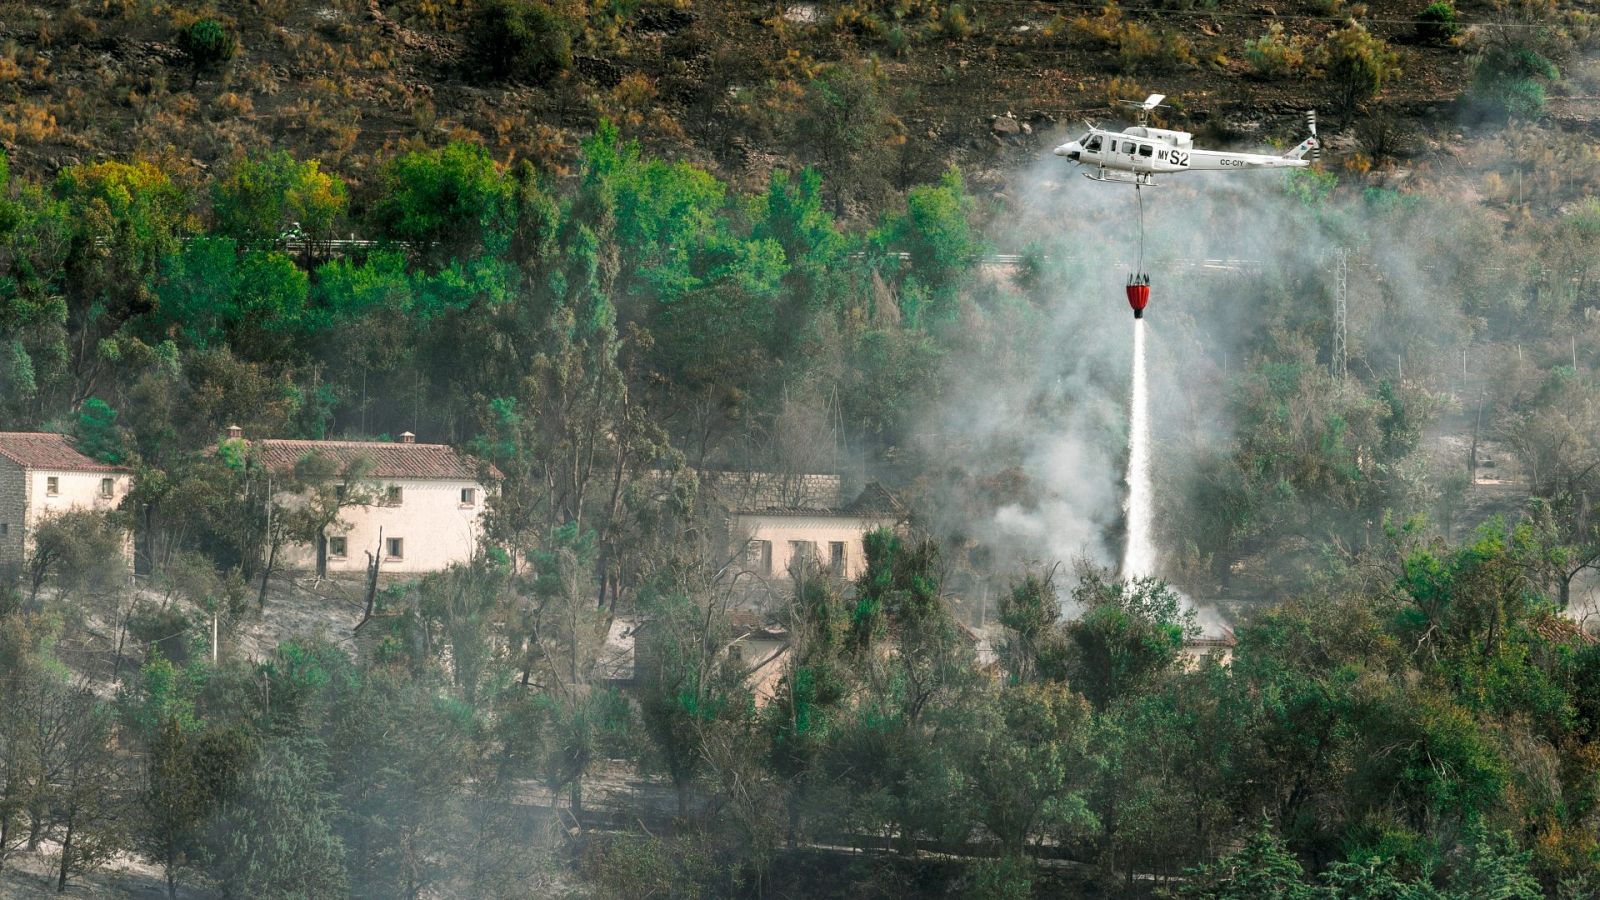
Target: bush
{"type": "Point", "coordinates": [1275, 55]}
{"type": "Point", "coordinates": [1511, 81]}
{"type": "Point", "coordinates": [1438, 23]}
{"type": "Point", "coordinates": [1358, 63]}
{"type": "Point", "coordinates": [208, 45]}
{"type": "Point", "coordinates": [1006, 878]}
{"type": "Point", "coordinates": [523, 39]}
{"type": "Point", "coordinates": [1137, 44]}
{"type": "Point", "coordinates": [165, 630]}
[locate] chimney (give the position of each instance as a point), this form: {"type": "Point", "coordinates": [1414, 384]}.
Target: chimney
{"type": "Point", "coordinates": [235, 432]}
{"type": "Point", "coordinates": [407, 437]}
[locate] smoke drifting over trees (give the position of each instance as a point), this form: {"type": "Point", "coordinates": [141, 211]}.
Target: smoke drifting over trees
{"type": "Point", "coordinates": [988, 709]}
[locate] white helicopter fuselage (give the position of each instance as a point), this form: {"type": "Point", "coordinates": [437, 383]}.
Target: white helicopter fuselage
{"type": "Point", "coordinates": [1142, 152]}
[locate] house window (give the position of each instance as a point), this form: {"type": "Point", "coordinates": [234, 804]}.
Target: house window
{"type": "Point", "coordinates": [469, 496]}
{"type": "Point", "coordinates": [396, 547]}
{"type": "Point", "coordinates": [52, 486]}
{"type": "Point", "coordinates": [105, 488]}
{"type": "Point", "coordinates": [758, 557]}
{"type": "Point", "coordinates": [836, 557]}
{"type": "Point", "coordinates": [339, 547]}
{"type": "Point", "coordinates": [394, 496]}
{"type": "Point", "coordinates": [801, 552]}
{"type": "Point", "coordinates": [5, 529]}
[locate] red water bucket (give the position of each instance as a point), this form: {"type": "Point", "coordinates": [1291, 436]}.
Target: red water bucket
{"type": "Point", "coordinates": [1138, 294]}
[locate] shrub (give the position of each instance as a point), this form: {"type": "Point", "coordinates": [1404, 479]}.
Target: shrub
{"type": "Point", "coordinates": [208, 44]}
{"type": "Point", "coordinates": [1511, 81]}
{"type": "Point", "coordinates": [1438, 23]}
{"type": "Point", "coordinates": [1120, 90]}
{"type": "Point", "coordinates": [1275, 55]}
{"type": "Point", "coordinates": [956, 23]}
{"type": "Point", "coordinates": [1137, 44]}
{"type": "Point", "coordinates": [1358, 63]}
{"type": "Point", "coordinates": [523, 39]}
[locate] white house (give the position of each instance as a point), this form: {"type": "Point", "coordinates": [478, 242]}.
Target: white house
{"type": "Point", "coordinates": [422, 506]}
{"type": "Point", "coordinates": [775, 538]}
{"type": "Point", "coordinates": [44, 475]}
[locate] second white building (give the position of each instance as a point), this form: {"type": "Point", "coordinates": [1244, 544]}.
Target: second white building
{"type": "Point", "coordinates": [421, 506]}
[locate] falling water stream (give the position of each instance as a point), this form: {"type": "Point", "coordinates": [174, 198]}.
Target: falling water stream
{"type": "Point", "coordinates": [1140, 556]}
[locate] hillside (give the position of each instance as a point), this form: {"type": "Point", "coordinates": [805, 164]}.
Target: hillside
{"type": "Point", "coordinates": [427, 431]}
{"type": "Point", "coordinates": [714, 81]}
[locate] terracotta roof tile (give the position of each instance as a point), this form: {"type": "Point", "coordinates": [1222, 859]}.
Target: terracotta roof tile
{"type": "Point", "coordinates": [43, 450]}
{"type": "Point", "coordinates": [388, 460]}
{"type": "Point", "coordinates": [876, 499]}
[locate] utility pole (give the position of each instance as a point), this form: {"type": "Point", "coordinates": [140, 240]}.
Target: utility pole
{"type": "Point", "coordinates": [1341, 314]}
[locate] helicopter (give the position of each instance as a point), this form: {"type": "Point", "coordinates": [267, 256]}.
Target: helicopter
{"type": "Point", "coordinates": [1137, 154]}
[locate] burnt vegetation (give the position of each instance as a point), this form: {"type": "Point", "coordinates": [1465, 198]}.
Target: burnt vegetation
{"type": "Point", "coordinates": [607, 248]}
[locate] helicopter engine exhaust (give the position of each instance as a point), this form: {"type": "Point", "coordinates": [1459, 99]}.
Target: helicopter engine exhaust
{"type": "Point", "coordinates": [1138, 293]}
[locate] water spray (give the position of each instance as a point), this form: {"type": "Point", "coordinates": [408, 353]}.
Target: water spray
{"type": "Point", "coordinates": [1140, 556]}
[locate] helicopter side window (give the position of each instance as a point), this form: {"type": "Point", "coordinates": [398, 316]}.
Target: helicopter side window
{"type": "Point", "coordinates": [1146, 149]}
{"type": "Point", "coordinates": [1094, 144]}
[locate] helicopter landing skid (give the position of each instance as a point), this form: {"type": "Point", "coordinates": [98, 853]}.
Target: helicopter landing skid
{"type": "Point", "coordinates": [1102, 175]}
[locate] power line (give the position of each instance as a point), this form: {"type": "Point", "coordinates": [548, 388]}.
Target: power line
{"type": "Point", "coordinates": [1263, 17]}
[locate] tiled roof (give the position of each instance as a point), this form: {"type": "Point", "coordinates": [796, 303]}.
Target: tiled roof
{"type": "Point", "coordinates": [876, 499]}
{"type": "Point", "coordinates": [43, 450]}
{"type": "Point", "coordinates": [1560, 630]}
{"type": "Point", "coordinates": [387, 460]}
{"type": "Point", "coordinates": [874, 502]}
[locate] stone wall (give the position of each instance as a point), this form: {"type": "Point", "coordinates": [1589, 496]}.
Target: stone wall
{"type": "Point", "coordinates": [13, 512]}
{"type": "Point", "coordinates": [764, 490]}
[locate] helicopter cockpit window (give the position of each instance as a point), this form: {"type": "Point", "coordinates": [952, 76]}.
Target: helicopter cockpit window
{"type": "Point", "coordinates": [1146, 149]}
{"type": "Point", "coordinates": [1093, 145]}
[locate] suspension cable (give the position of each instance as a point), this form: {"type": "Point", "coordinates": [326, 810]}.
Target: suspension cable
{"type": "Point", "coordinates": [1139, 196]}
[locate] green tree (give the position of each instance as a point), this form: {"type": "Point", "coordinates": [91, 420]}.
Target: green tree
{"type": "Point", "coordinates": [191, 770]}
{"type": "Point", "coordinates": [447, 204]}
{"type": "Point", "coordinates": [97, 434]}
{"type": "Point", "coordinates": [846, 124]}
{"type": "Point", "coordinates": [82, 550]}
{"type": "Point", "coordinates": [688, 685]}
{"type": "Point", "coordinates": [523, 39]}
{"type": "Point", "coordinates": [1027, 763]}
{"type": "Point", "coordinates": [126, 219]}
{"type": "Point", "coordinates": [1128, 633]}
{"type": "Point", "coordinates": [263, 195]}
{"type": "Point", "coordinates": [35, 239]}
{"type": "Point", "coordinates": [935, 232]}
{"type": "Point", "coordinates": [1034, 647]}
{"type": "Point", "coordinates": [1264, 868]}
{"type": "Point", "coordinates": [1493, 866]}
{"type": "Point", "coordinates": [209, 44]}
{"type": "Point", "coordinates": [276, 835]}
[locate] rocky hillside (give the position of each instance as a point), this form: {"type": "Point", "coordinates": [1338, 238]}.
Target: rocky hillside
{"type": "Point", "coordinates": [740, 87]}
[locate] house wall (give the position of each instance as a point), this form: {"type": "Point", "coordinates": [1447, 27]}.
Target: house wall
{"type": "Point", "coordinates": [13, 512]}
{"type": "Point", "coordinates": [821, 529]}
{"type": "Point", "coordinates": [436, 528]}
{"type": "Point", "coordinates": [75, 490]}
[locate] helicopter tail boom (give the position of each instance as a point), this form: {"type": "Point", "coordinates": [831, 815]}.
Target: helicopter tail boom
{"type": "Point", "coordinates": [1305, 146]}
